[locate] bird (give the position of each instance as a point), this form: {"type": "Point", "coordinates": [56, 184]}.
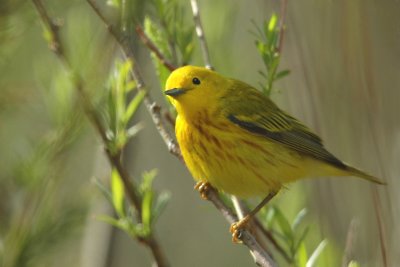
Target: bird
{"type": "Point", "coordinates": [236, 139]}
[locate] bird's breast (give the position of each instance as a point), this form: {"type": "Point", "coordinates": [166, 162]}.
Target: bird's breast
{"type": "Point", "coordinates": [234, 160]}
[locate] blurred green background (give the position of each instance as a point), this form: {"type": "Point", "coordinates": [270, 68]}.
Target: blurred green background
{"type": "Point", "coordinates": [343, 56]}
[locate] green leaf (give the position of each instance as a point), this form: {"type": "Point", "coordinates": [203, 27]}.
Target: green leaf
{"type": "Point", "coordinates": [147, 180]}
{"type": "Point", "coordinates": [118, 193]}
{"type": "Point", "coordinates": [130, 85]}
{"type": "Point", "coordinates": [133, 106]}
{"type": "Point", "coordinates": [283, 223]}
{"type": "Point", "coordinates": [124, 224]}
{"type": "Point", "coordinates": [112, 112]}
{"type": "Point", "coordinates": [314, 256]}
{"type": "Point", "coordinates": [282, 74]}
{"type": "Point", "coordinates": [114, 3]}
{"type": "Point", "coordinates": [259, 32]}
{"type": "Point", "coordinates": [299, 218]}
{"type": "Point", "coordinates": [132, 131]}
{"type": "Point", "coordinates": [353, 264]}
{"type": "Point", "coordinates": [109, 220]}
{"type": "Point", "coordinates": [269, 217]}
{"type": "Point", "coordinates": [146, 189]}
{"type": "Point", "coordinates": [272, 22]}
{"type": "Point", "coordinates": [301, 239]}
{"type": "Point", "coordinates": [103, 189]}
{"type": "Point", "coordinates": [160, 204]}
{"type": "Point", "coordinates": [302, 256]}
{"type": "Point", "coordinates": [147, 203]}
{"type": "Point", "coordinates": [272, 26]}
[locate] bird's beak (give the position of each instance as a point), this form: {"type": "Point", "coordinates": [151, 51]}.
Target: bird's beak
{"type": "Point", "coordinates": [174, 92]}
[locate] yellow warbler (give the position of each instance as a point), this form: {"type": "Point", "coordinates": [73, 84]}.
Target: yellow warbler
{"type": "Point", "coordinates": [236, 139]}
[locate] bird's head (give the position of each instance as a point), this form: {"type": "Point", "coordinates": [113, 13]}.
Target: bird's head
{"type": "Point", "coordinates": [194, 89]}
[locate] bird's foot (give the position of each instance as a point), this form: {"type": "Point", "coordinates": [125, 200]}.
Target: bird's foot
{"type": "Point", "coordinates": [203, 188]}
{"type": "Point", "coordinates": [237, 228]}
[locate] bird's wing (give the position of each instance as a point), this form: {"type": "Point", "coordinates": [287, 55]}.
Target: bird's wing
{"type": "Point", "coordinates": [252, 111]}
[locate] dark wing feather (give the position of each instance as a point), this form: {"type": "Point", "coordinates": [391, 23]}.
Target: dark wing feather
{"type": "Point", "coordinates": [254, 112]}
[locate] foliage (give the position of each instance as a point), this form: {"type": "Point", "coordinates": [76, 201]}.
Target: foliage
{"type": "Point", "coordinates": [267, 43]}
{"type": "Point", "coordinates": [292, 237]}
{"type": "Point", "coordinates": [168, 29]}
{"type": "Point", "coordinates": [152, 206]}
{"type": "Point", "coordinates": [40, 215]}
{"type": "Point", "coordinates": [118, 109]}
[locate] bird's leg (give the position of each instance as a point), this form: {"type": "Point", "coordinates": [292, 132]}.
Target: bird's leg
{"type": "Point", "coordinates": [237, 227]}
{"type": "Point", "coordinates": [203, 188]}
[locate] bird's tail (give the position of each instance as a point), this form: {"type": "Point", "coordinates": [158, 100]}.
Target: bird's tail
{"type": "Point", "coordinates": [356, 172]}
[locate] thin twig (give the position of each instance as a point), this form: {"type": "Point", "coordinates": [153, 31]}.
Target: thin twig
{"type": "Point", "coordinates": [114, 159]}
{"type": "Point", "coordinates": [262, 258]}
{"type": "Point", "coordinates": [147, 41]}
{"type": "Point", "coordinates": [200, 34]}
{"type": "Point", "coordinates": [382, 233]}
{"type": "Point", "coordinates": [351, 236]}
{"type": "Point", "coordinates": [242, 210]}
{"type": "Point", "coordinates": [282, 25]}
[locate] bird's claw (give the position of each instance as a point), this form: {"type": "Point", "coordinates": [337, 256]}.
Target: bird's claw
{"type": "Point", "coordinates": [203, 188]}
{"type": "Point", "coordinates": [237, 228]}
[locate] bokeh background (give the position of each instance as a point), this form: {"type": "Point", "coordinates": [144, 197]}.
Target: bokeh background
{"type": "Point", "coordinates": [345, 74]}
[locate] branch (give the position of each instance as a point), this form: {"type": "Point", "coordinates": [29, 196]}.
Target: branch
{"type": "Point", "coordinates": [146, 41]}
{"type": "Point", "coordinates": [114, 159]}
{"type": "Point", "coordinates": [282, 25]}
{"type": "Point", "coordinates": [242, 210]}
{"type": "Point", "coordinates": [260, 256]}
{"type": "Point", "coordinates": [200, 34]}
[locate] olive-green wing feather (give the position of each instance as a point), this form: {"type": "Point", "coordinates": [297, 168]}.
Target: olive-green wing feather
{"type": "Point", "coordinates": [254, 112]}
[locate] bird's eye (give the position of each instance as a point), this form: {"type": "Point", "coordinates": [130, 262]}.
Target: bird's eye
{"type": "Point", "coordinates": [196, 81]}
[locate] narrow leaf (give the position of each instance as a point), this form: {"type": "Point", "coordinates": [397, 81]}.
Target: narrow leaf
{"type": "Point", "coordinates": [282, 74]}
{"type": "Point", "coordinates": [133, 106]}
{"type": "Point", "coordinates": [353, 264]}
{"type": "Point", "coordinates": [103, 189]}
{"type": "Point", "coordinates": [134, 130]}
{"type": "Point", "coordinates": [272, 23]}
{"type": "Point", "coordinates": [301, 239]}
{"type": "Point", "coordinates": [314, 256]}
{"type": "Point", "coordinates": [299, 218]}
{"type": "Point", "coordinates": [283, 223]}
{"type": "Point", "coordinates": [160, 204]}
{"type": "Point", "coordinates": [302, 256]}
{"type": "Point", "coordinates": [147, 210]}
{"type": "Point", "coordinates": [109, 220]}
{"type": "Point", "coordinates": [118, 193]}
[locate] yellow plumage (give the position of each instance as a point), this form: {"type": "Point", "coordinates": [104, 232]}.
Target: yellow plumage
{"type": "Point", "coordinates": [239, 141]}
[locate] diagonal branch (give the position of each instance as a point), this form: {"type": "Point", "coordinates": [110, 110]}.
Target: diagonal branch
{"type": "Point", "coordinates": [114, 159]}
{"type": "Point", "coordinates": [261, 257]}
{"type": "Point", "coordinates": [146, 40]}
